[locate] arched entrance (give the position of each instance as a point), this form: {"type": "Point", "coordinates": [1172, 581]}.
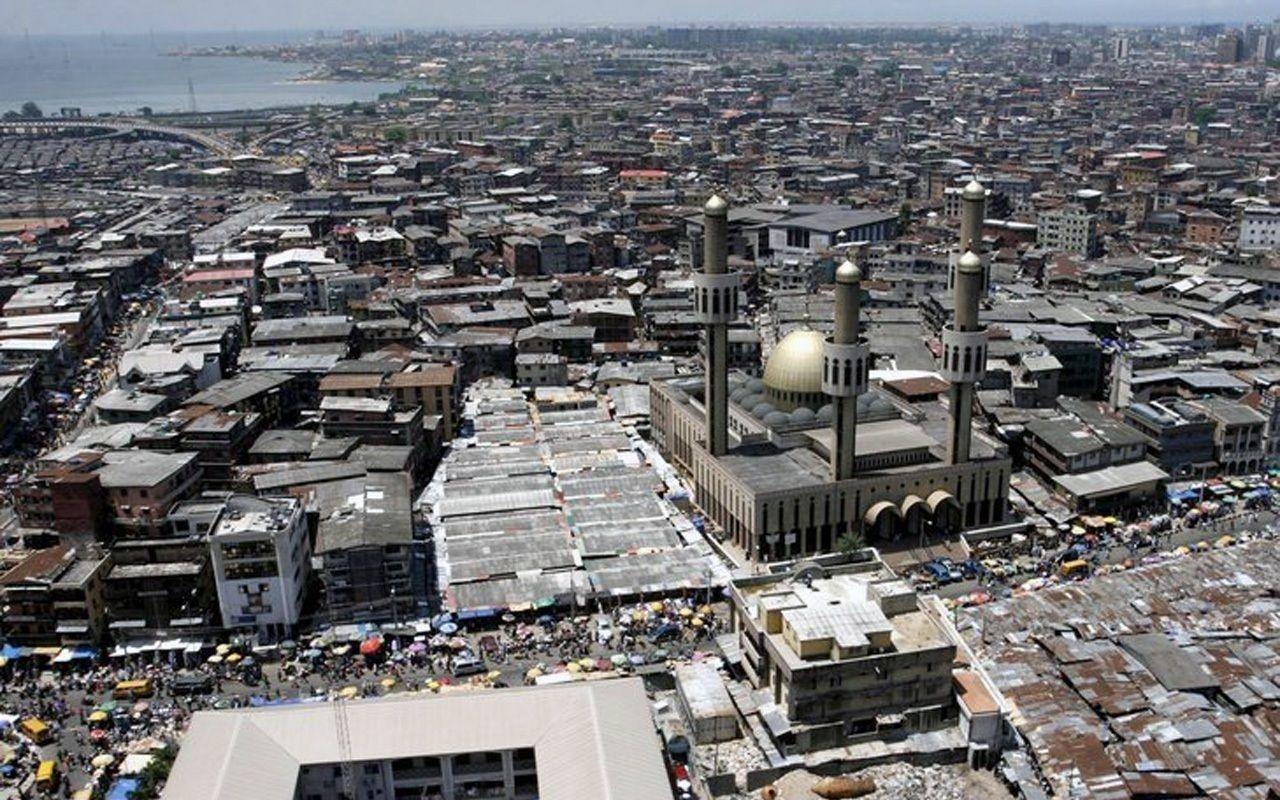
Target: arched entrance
{"type": "Point", "coordinates": [945, 511]}
{"type": "Point", "coordinates": [882, 520]}
{"type": "Point", "coordinates": [915, 515]}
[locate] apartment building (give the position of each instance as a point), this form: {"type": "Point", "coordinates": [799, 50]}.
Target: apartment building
{"type": "Point", "coordinates": [1069, 229]}
{"type": "Point", "coordinates": [261, 557]}
{"type": "Point", "coordinates": [847, 653]}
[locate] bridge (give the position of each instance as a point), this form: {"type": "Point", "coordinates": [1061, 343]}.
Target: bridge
{"type": "Point", "coordinates": [121, 125]}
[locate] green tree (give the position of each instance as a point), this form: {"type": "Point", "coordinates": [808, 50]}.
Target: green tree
{"type": "Point", "coordinates": [888, 70]}
{"type": "Point", "coordinates": [730, 72]}
{"type": "Point", "coordinates": [904, 218]}
{"type": "Point", "coordinates": [31, 111]}
{"type": "Point", "coordinates": [566, 123]}
{"type": "Point", "coordinates": [851, 542]}
{"type": "Point", "coordinates": [396, 135]}
{"type": "Point", "coordinates": [778, 68]}
{"type": "Point", "coordinates": [152, 779]}
{"type": "Point", "coordinates": [845, 71]}
{"type": "Point", "coordinates": [620, 114]}
{"type": "Point", "coordinates": [1204, 115]}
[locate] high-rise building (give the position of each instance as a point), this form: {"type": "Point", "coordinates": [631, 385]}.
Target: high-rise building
{"type": "Point", "coordinates": [1120, 48]}
{"type": "Point", "coordinates": [1230, 47]}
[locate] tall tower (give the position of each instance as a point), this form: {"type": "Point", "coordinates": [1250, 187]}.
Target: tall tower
{"type": "Point", "coordinates": [715, 306]}
{"type": "Point", "coordinates": [974, 197]}
{"type": "Point", "coordinates": [846, 363]}
{"type": "Point", "coordinates": [964, 354]}
{"type": "Point", "coordinates": [973, 211]}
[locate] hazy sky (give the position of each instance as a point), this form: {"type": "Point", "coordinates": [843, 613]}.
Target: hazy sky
{"type": "Point", "coordinates": [123, 16]}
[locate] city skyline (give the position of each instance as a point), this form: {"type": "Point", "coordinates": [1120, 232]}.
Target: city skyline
{"type": "Point", "coordinates": [142, 16]}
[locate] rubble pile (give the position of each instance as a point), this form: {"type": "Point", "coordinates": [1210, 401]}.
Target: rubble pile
{"type": "Point", "coordinates": [897, 781]}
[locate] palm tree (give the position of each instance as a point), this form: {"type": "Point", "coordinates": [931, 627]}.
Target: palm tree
{"type": "Point", "coordinates": [851, 542]}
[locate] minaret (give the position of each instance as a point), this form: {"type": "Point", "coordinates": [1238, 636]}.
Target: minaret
{"type": "Point", "coordinates": [846, 363]}
{"type": "Point", "coordinates": [973, 211]}
{"type": "Point", "coordinates": [715, 306]}
{"type": "Point", "coordinates": [971, 215]}
{"type": "Point", "coordinates": [964, 354]}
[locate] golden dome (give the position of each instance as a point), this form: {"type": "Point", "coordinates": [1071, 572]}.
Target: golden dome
{"type": "Point", "coordinates": [795, 365]}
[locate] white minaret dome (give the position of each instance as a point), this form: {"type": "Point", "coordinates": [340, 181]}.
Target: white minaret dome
{"type": "Point", "coordinates": [974, 191]}
{"type": "Point", "coordinates": [716, 205]}
{"type": "Point", "coordinates": [970, 262]}
{"type": "Point", "coordinates": [848, 272]}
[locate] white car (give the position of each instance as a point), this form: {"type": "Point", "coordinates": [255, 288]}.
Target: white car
{"type": "Point", "coordinates": [604, 629]}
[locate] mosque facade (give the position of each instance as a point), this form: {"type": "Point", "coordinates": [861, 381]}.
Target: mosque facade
{"type": "Point", "coordinates": [793, 461]}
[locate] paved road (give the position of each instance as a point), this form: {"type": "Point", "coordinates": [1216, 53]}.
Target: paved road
{"type": "Point", "coordinates": [68, 700]}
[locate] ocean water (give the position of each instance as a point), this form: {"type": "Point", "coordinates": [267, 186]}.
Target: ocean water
{"type": "Point", "coordinates": [116, 73]}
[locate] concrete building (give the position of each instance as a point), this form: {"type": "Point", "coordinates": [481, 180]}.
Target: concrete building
{"type": "Point", "coordinates": [1238, 436]}
{"type": "Point", "coordinates": [1179, 436]}
{"type": "Point", "coordinates": [585, 740]}
{"type": "Point", "coordinates": [433, 387]}
{"type": "Point", "coordinates": [55, 596]}
{"type": "Point", "coordinates": [1260, 228]}
{"type": "Point", "coordinates": [848, 654]}
{"type": "Point", "coordinates": [541, 369]}
{"type": "Point", "coordinates": [761, 452]}
{"type": "Point", "coordinates": [372, 560]}
{"type": "Point", "coordinates": [1069, 229]}
{"type": "Point", "coordinates": [1067, 447]}
{"type": "Point", "coordinates": [142, 486]}
{"type": "Point", "coordinates": [812, 229]}
{"type": "Point", "coordinates": [261, 556]}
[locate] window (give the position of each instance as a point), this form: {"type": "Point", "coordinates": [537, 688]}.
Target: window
{"type": "Point", "coordinates": [797, 237]}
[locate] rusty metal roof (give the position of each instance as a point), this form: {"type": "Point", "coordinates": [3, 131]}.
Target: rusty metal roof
{"type": "Point", "coordinates": [1099, 722]}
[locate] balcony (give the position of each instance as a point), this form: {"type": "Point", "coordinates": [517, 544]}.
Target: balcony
{"type": "Point", "coordinates": [489, 769]}
{"type": "Point", "coordinates": [415, 774]}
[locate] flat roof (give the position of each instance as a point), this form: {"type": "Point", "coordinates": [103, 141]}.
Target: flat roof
{"type": "Point", "coordinates": [140, 467]}
{"type": "Point", "coordinates": [1110, 480]}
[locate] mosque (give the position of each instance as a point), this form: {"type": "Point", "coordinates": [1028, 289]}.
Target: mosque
{"type": "Point", "coordinates": [789, 463]}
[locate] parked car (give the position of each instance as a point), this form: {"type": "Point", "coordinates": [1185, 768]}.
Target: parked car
{"type": "Point", "coordinates": [467, 665]}
{"type": "Point", "coordinates": [604, 629]}
{"type": "Point", "coordinates": [937, 572]}
{"type": "Point", "coordinates": [192, 683]}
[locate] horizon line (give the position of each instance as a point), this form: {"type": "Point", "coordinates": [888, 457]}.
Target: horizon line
{"type": "Point", "coordinates": [513, 27]}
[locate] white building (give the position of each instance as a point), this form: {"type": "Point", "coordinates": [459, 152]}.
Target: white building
{"type": "Point", "coordinates": [1069, 229]}
{"type": "Point", "coordinates": [261, 558]}
{"type": "Point", "coordinates": [1260, 228]}
{"type": "Point", "coordinates": [582, 741]}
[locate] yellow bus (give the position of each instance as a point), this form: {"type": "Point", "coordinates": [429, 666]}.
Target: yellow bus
{"type": "Point", "coordinates": [36, 730]}
{"type": "Point", "coordinates": [133, 690]}
{"type": "Point", "coordinates": [1071, 569]}
{"type": "Point", "coordinates": [47, 776]}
